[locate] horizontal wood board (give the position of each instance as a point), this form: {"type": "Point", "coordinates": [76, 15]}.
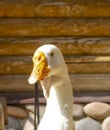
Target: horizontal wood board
{"type": "Point", "coordinates": [81, 29]}
{"type": "Point", "coordinates": [48, 8]}
{"type": "Point", "coordinates": [49, 27]}
{"type": "Point", "coordinates": [80, 82]}
{"type": "Point", "coordinates": [76, 65]}
{"type": "Point", "coordinates": [79, 97]}
{"type": "Point", "coordinates": [68, 45]}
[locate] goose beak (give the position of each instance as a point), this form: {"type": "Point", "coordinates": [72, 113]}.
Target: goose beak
{"type": "Point", "coordinates": [40, 68]}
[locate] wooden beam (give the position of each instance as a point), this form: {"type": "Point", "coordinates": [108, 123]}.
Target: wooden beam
{"type": "Point", "coordinates": [79, 97]}
{"type": "Point", "coordinates": [15, 83]}
{"type": "Point", "coordinates": [68, 45]}
{"type": "Point", "coordinates": [89, 68]}
{"type": "Point", "coordinates": [87, 97]}
{"type": "Point", "coordinates": [15, 65]}
{"type": "Point", "coordinates": [91, 82]}
{"type": "Point", "coordinates": [18, 98]}
{"type": "Point", "coordinates": [87, 59]}
{"type": "Point", "coordinates": [54, 27]}
{"type": "Point", "coordinates": [55, 8]}
{"type": "Point", "coordinates": [80, 82]}
{"type": "Point", "coordinates": [78, 65]}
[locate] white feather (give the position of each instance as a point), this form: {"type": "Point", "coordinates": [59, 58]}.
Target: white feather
{"type": "Point", "coordinates": [58, 114]}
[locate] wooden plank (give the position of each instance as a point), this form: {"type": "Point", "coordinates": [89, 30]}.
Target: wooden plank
{"type": "Point", "coordinates": [19, 98]}
{"type": "Point", "coordinates": [89, 68]}
{"type": "Point", "coordinates": [80, 82]}
{"type": "Point", "coordinates": [77, 65]}
{"type": "Point", "coordinates": [68, 45]}
{"type": "Point", "coordinates": [91, 82]}
{"type": "Point", "coordinates": [15, 83]}
{"type": "Point", "coordinates": [15, 65]}
{"type": "Point", "coordinates": [87, 97]}
{"type": "Point", "coordinates": [27, 8]}
{"type": "Point", "coordinates": [87, 59]}
{"type": "Point", "coordinates": [54, 27]}
{"type": "Point", "coordinates": [79, 97]}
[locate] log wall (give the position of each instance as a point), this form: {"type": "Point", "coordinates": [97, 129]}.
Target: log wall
{"type": "Point", "coordinates": [81, 29]}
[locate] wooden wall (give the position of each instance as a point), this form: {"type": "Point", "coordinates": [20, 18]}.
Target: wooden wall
{"type": "Point", "coordinates": [81, 29]}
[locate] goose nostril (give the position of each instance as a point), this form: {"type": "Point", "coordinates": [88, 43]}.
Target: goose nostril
{"type": "Point", "coordinates": [39, 58]}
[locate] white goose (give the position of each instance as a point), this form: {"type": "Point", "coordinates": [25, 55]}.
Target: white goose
{"type": "Point", "coordinates": [51, 70]}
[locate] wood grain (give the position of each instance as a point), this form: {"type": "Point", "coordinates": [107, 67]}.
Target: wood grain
{"type": "Point", "coordinates": [77, 65]}
{"type": "Point", "coordinates": [68, 45]}
{"type": "Point", "coordinates": [81, 30]}
{"type": "Point", "coordinates": [89, 68]}
{"type": "Point", "coordinates": [15, 83]}
{"type": "Point", "coordinates": [83, 97]}
{"type": "Point", "coordinates": [15, 65]}
{"type": "Point", "coordinates": [19, 98]}
{"type": "Point", "coordinates": [87, 97]}
{"type": "Point", "coordinates": [79, 97]}
{"type": "Point", "coordinates": [27, 8]}
{"type": "Point", "coordinates": [90, 82]}
{"type": "Point", "coordinates": [86, 59]}
{"type": "Point", "coordinates": [54, 27]}
{"type": "Point", "coordinates": [80, 82]}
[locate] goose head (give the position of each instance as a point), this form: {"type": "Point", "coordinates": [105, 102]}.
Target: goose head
{"type": "Point", "coordinates": [47, 61]}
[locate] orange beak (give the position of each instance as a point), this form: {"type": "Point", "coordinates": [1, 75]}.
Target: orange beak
{"type": "Point", "coordinates": [40, 68]}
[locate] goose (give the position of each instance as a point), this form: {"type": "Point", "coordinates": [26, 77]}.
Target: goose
{"type": "Point", "coordinates": [50, 69]}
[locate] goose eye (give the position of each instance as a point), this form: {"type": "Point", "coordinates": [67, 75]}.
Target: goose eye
{"type": "Point", "coordinates": [51, 54]}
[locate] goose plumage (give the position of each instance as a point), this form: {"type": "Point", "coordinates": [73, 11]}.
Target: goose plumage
{"type": "Point", "coordinates": [50, 68]}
